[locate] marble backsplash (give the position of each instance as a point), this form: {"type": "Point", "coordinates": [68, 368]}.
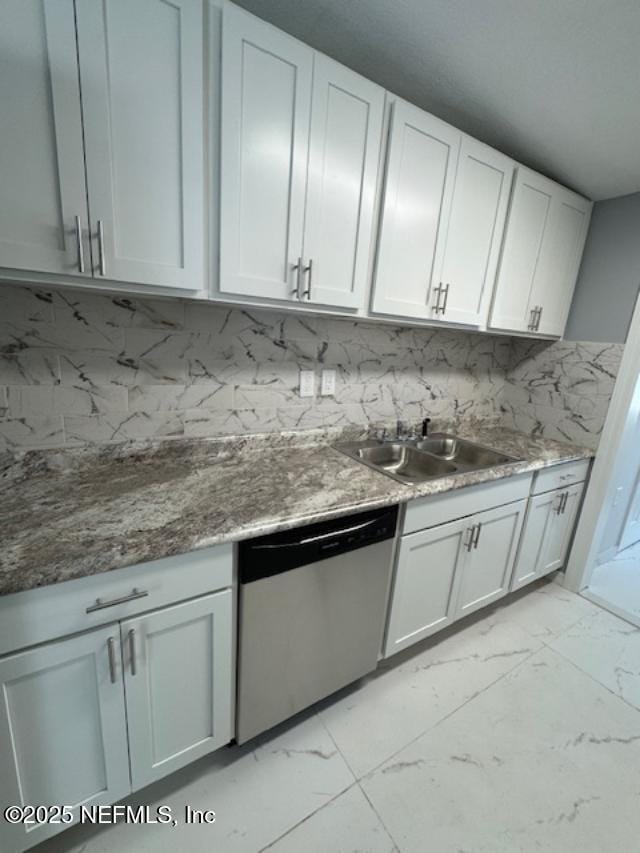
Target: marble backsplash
{"type": "Point", "coordinates": [79, 368]}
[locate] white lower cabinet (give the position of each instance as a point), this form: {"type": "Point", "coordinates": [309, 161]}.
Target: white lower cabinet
{"type": "Point", "coordinates": [488, 564]}
{"type": "Point", "coordinates": [450, 570]}
{"type": "Point", "coordinates": [424, 592]}
{"type": "Point", "coordinates": [178, 683]}
{"type": "Point", "coordinates": [549, 525]}
{"type": "Point", "coordinates": [87, 719]}
{"type": "Point", "coordinates": [63, 733]}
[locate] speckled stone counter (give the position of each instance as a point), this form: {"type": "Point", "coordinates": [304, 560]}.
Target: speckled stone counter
{"type": "Point", "coordinates": [72, 513]}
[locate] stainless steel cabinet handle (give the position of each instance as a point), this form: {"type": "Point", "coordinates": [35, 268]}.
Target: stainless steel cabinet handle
{"type": "Point", "coordinates": [101, 256]}
{"type": "Point", "coordinates": [469, 543]}
{"type": "Point", "coordinates": [532, 320]}
{"type": "Point", "coordinates": [111, 651]}
{"type": "Point", "coordinates": [80, 246]}
{"type": "Point", "coordinates": [297, 268]}
{"type": "Point", "coordinates": [308, 269]}
{"type": "Point", "coordinates": [477, 539]}
{"type": "Point", "coordinates": [101, 605]}
{"type": "Point", "coordinates": [538, 318]}
{"type": "Point", "coordinates": [564, 502]}
{"type": "Point", "coordinates": [446, 299]}
{"type": "Point", "coordinates": [438, 290]}
{"type": "Point", "coordinates": [132, 650]}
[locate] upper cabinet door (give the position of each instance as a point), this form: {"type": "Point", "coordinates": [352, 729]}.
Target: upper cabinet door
{"type": "Point", "coordinates": [266, 103]}
{"type": "Point", "coordinates": [344, 151]}
{"type": "Point", "coordinates": [142, 91]}
{"type": "Point", "coordinates": [43, 215]}
{"type": "Point", "coordinates": [421, 166]}
{"type": "Point", "coordinates": [528, 220]}
{"type": "Point", "coordinates": [560, 258]}
{"type": "Point", "coordinates": [474, 237]}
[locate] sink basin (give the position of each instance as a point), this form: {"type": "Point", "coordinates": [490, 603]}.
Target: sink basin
{"type": "Point", "coordinates": [416, 461]}
{"type": "Point", "coordinates": [460, 451]}
{"type": "Point", "coordinates": [405, 462]}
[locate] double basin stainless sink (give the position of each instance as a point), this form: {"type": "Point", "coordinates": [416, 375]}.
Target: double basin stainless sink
{"type": "Point", "coordinates": [418, 460]}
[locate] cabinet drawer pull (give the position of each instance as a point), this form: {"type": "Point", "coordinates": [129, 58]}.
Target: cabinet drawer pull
{"type": "Point", "coordinates": [477, 539]}
{"type": "Point", "coordinates": [132, 650]}
{"type": "Point", "coordinates": [80, 246]}
{"type": "Point", "coordinates": [102, 605]}
{"type": "Point", "coordinates": [111, 650]}
{"type": "Point", "coordinates": [565, 498]}
{"type": "Point", "coordinates": [101, 255]}
{"type": "Point", "coordinates": [539, 315]}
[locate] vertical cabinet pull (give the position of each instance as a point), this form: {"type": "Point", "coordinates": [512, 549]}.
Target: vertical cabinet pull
{"type": "Point", "coordinates": [101, 255]}
{"type": "Point", "coordinates": [132, 651]}
{"type": "Point", "coordinates": [446, 299]}
{"type": "Point", "coordinates": [477, 538]}
{"type": "Point", "coordinates": [469, 543]}
{"type": "Point", "coordinates": [532, 320]}
{"type": "Point", "coordinates": [308, 269]}
{"type": "Point", "coordinates": [80, 246]}
{"type": "Point", "coordinates": [297, 268]}
{"type": "Point", "coordinates": [437, 290]}
{"type": "Point", "coordinates": [538, 318]}
{"type": "Point", "coordinates": [111, 651]}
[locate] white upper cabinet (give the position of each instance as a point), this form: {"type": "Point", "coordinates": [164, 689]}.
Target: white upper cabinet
{"type": "Point", "coordinates": [560, 261]}
{"type": "Point", "coordinates": [266, 107]}
{"type": "Point", "coordinates": [421, 167]}
{"type": "Point", "coordinates": [43, 215]}
{"type": "Point", "coordinates": [300, 146]}
{"type": "Point", "coordinates": [474, 235]}
{"type": "Point", "coordinates": [142, 93]}
{"type": "Point", "coordinates": [344, 150]}
{"type": "Point", "coordinates": [545, 234]}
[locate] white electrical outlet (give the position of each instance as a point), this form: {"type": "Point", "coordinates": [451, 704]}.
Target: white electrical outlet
{"type": "Point", "coordinates": [307, 383]}
{"type": "Point", "coordinates": [328, 384]}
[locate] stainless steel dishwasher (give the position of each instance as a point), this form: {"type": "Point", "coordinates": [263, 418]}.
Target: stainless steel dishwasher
{"type": "Point", "coordinates": [312, 613]}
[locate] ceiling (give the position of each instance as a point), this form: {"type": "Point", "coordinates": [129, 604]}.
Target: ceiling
{"type": "Point", "coordinates": [553, 83]}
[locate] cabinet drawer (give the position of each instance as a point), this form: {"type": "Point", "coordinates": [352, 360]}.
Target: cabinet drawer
{"type": "Point", "coordinates": [439, 509]}
{"type": "Point", "coordinates": [38, 615]}
{"type": "Point", "coordinates": [559, 476]}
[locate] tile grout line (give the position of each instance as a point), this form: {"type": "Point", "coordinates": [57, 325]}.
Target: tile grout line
{"type": "Point", "coordinates": [592, 678]}
{"type": "Point", "coordinates": [357, 782]}
{"type": "Point", "coordinates": [446, 716]}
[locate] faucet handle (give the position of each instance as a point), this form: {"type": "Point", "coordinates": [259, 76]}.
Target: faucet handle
{"type": "Point", "coordinates": [425, 427]}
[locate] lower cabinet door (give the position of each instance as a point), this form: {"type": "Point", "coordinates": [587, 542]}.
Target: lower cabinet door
{"type": "Point", "coordinates": [532, 556]}
{"type": "Point", "coordinates": [486, 573]}
{"type": "Point", "coordinates": [560, 530]}
{"type": "Point", "coordinates": [178, 679]}
{"type": "Point", "coordinates": [424, 590]}
{"type": "Point", "coordinates": [63, 734]}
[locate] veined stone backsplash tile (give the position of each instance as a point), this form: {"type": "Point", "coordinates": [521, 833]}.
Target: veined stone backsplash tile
{"type": "Point", "coordinates": [78, 368]}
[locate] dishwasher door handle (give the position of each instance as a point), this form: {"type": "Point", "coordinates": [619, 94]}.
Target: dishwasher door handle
{"type": "Point", "coordinates": [319, 538]}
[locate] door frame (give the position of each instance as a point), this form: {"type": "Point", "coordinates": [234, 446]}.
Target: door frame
{"type": "Point", "coordinates": [621, 421]}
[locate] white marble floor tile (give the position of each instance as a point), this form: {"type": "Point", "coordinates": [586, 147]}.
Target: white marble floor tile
{"type": "Point", "coordinates": [415, 689]}
{"type": "Point", "coordinates": [545, 610]}
{"type": "Point", "coordinates": [616, 584]}
{"type": "Point", "coordinates": [546, 759]}
{"type": "Point", "coordinates": [608, 649]}
{"type": "Point", "coordinates": [347, 824]}
{"type": "Point", "coordinates": [258, 792]}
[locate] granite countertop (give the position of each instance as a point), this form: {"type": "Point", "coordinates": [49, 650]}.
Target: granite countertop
{"type": "Point", "coordinates": [73, 513]}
